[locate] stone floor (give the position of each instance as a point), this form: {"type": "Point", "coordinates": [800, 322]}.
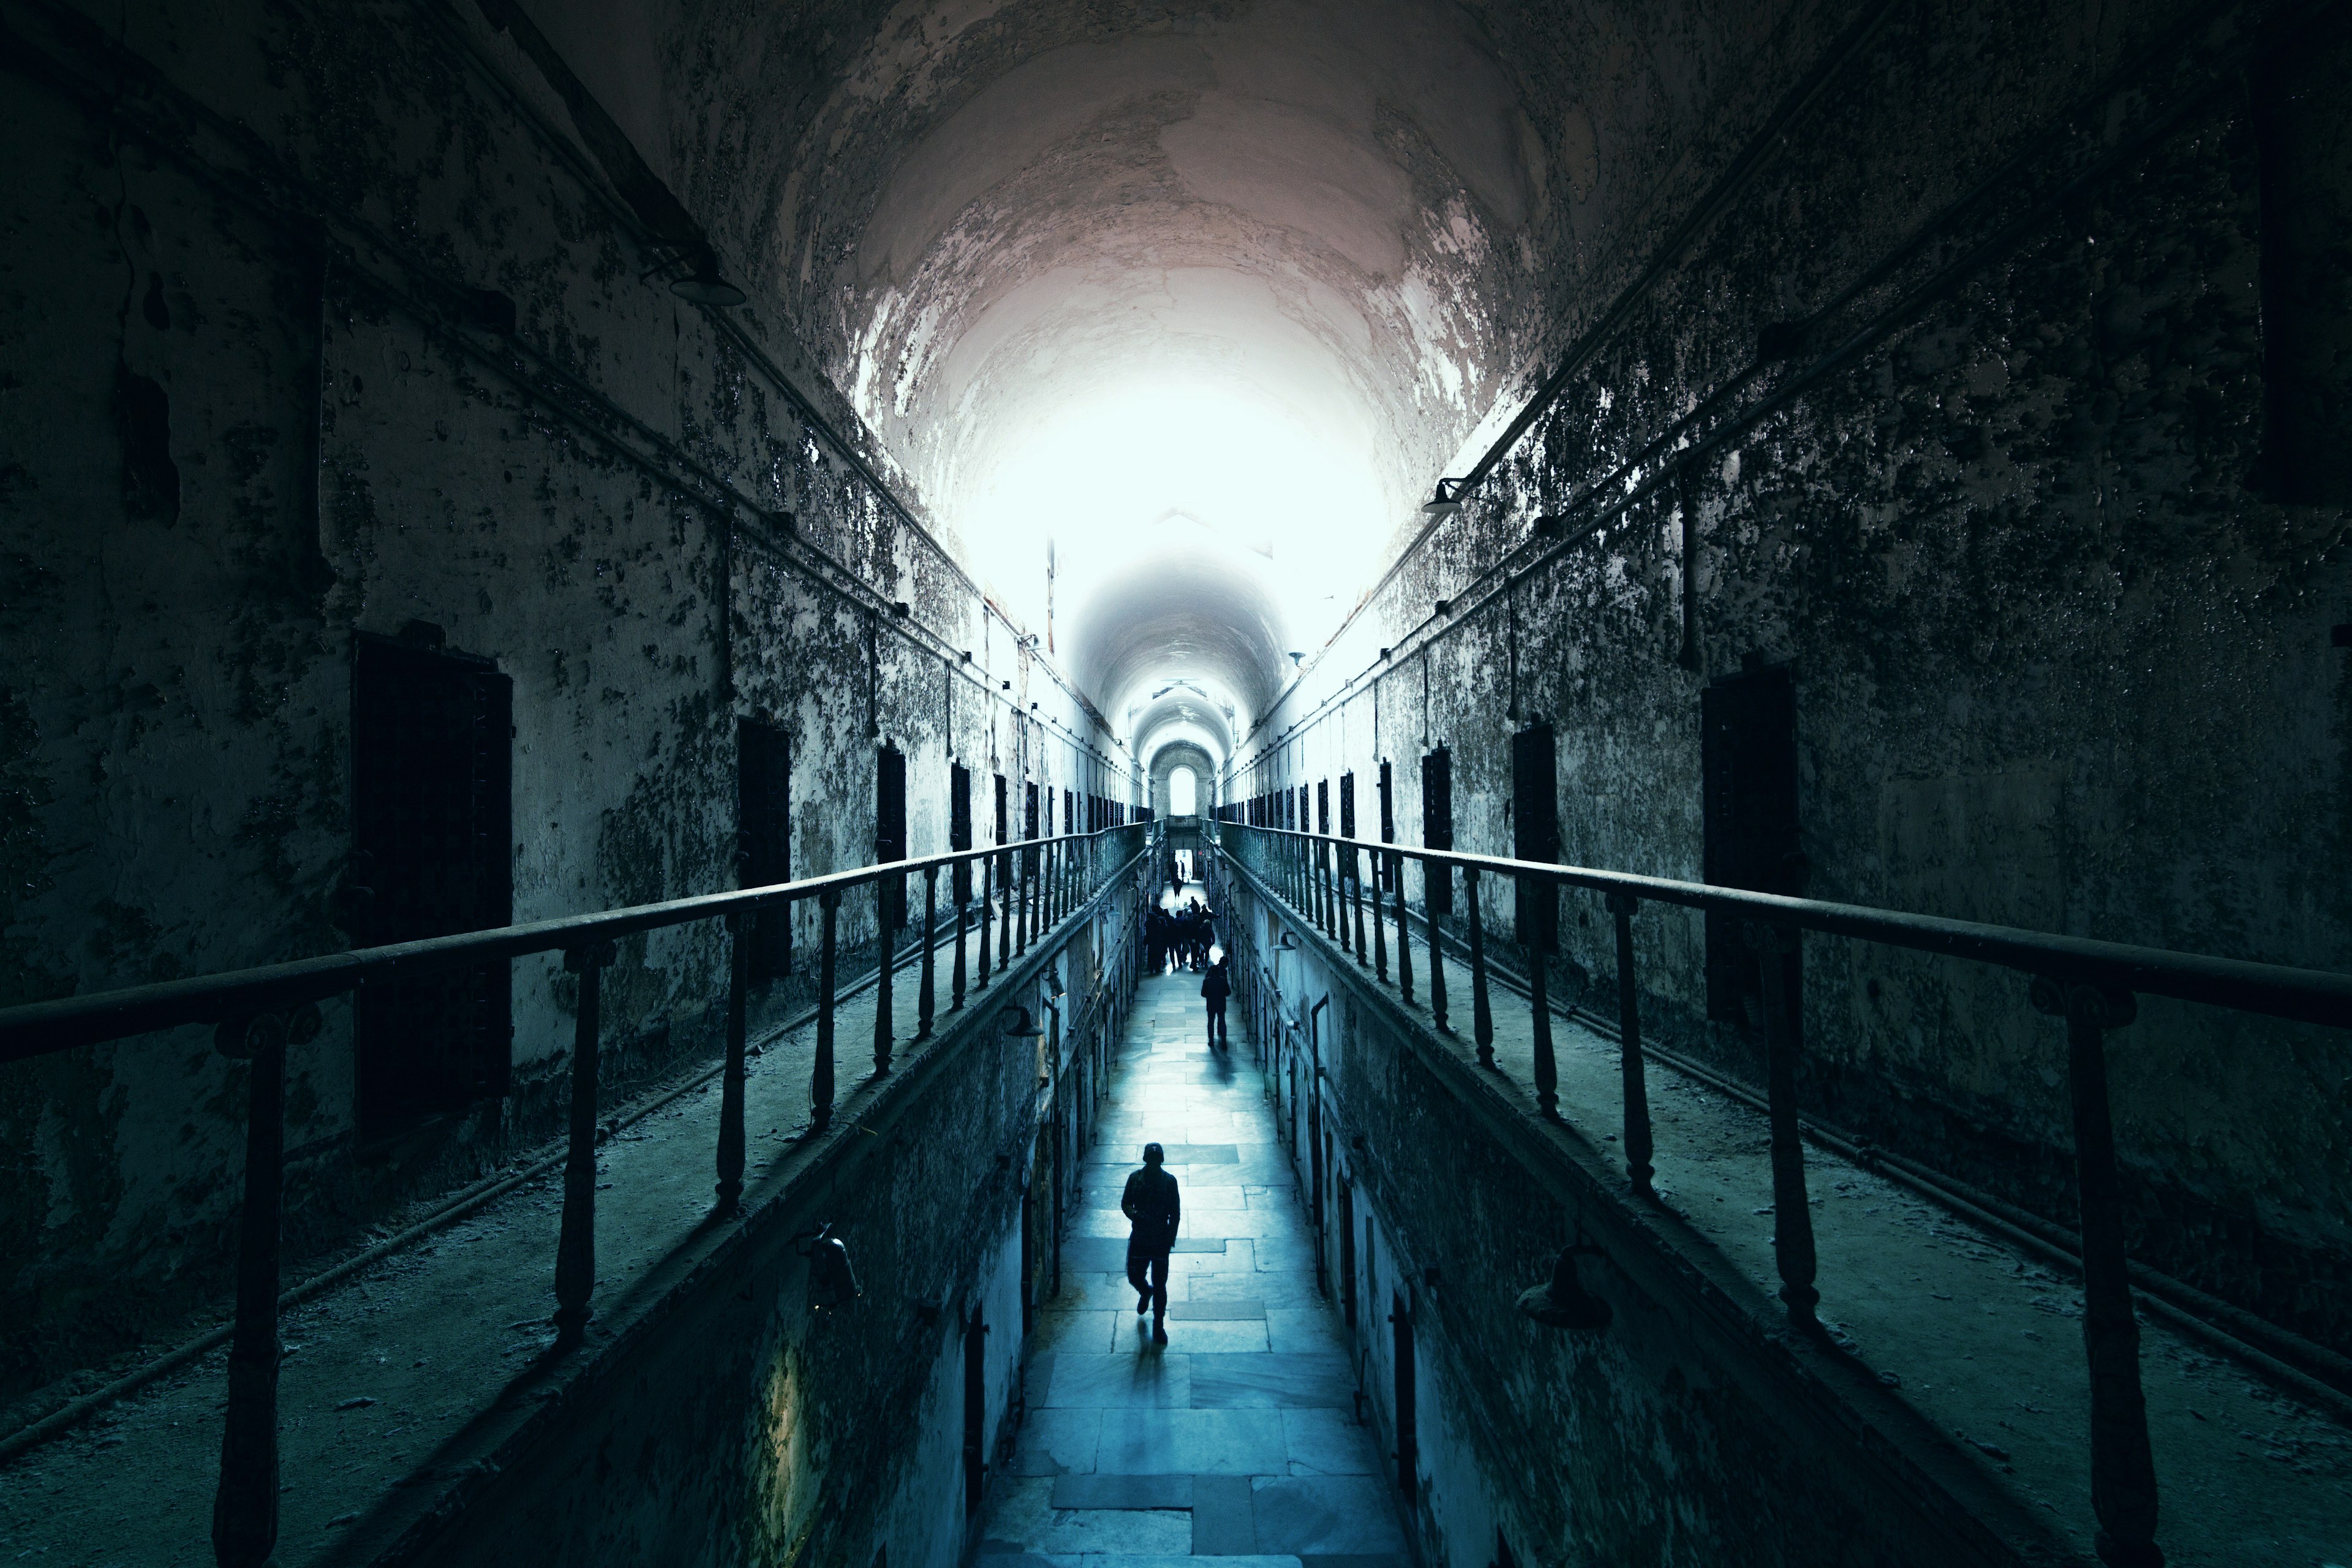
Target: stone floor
{"type": "Point", "coordinates": [1238, 1439]}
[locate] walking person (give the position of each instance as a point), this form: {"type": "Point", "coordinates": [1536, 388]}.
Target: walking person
{"type": "Point", "coordinates": [1152, 1208]}
{"type": "Point", "coordinates": [1216, 986]}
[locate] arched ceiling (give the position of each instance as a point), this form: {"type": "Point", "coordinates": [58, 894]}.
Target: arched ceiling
{"type": "Point", "coordinates": [1188, 302]}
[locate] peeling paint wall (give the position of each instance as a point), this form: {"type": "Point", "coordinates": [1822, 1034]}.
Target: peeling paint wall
{"type": "Point", "coordinates": [2062, 659]}
{"type": "Point", "coordinates": [330, 327]}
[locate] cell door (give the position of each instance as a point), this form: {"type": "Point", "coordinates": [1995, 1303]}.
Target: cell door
{"type": "Point", "coordinates": [1388, 824]}
{"type": "Point", "coordinates": [1535, 832]}
{"type": "Point", "coordinates": [975, 1412]}
{"type": "Point", "coordinates": [1348, 1252]}
{"type": "Point", "coordinates": [1408, 1451]}
{"type": "Point", "coordinates": [1437, 826]}
{"type": "Point", "coordinates": [960, 828]}
{"type": "Point", "coordinates": [1749, 772]}
{"type": "Point", "coordinates": [890, 825]}
{"type": "Point", "coordinates": [1323, 805]}
{"type": "Point", "coordinates": [432, 803]}
{"type": "Point", "coordinates": [1003, 832]}
{"type": "Point", "coordinates": [763, 837]}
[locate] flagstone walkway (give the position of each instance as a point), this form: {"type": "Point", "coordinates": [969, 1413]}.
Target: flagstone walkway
{"type": "Point", "coordinates": [1238, 1439]}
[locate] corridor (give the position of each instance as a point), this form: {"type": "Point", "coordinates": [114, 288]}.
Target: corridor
{"type": "Point", "coordinates": [1239, 1438]}
{"type": "Point", "coordinates": [615, 618]}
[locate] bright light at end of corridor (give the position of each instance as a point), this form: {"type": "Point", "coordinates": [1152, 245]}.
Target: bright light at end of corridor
{"type": "Point", "coordinates": [1183, 464]}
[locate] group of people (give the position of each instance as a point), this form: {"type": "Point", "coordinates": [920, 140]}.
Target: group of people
{"type": "Point", "coordinates": [1179, 938]}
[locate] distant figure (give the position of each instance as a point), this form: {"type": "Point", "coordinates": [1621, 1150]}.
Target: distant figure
{"type": "Point", "coordinates": [1152, 1206]}
{"type": "Point", "coordinates": [1216, 986]}
{"type": "Point", "coordinates": [1175, 877]}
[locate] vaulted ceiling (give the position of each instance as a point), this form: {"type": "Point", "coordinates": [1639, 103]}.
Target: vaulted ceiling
{"type": "Point", "coordinates": [1189, 304]}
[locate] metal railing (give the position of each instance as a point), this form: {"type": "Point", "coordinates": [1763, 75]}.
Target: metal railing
{"type": "Point", "coordinates": [2092, 986]}
{"type": "Point", "coordinates": [1032, 887]}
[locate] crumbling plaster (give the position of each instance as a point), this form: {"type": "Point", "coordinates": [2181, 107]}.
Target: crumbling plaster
{"type": "Point", "coordinates": [571, 500]}
{"type": "Point", "coordinates": [2060, 662]}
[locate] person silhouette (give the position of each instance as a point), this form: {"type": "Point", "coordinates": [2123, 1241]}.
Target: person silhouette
{"type": "Point", "coordinates": [1153, 1209]}
{"type": "Point", "coordinates": [1216, 986]}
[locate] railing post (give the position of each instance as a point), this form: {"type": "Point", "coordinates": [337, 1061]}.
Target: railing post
{"type": "Point", "coordinates": [1404, 934]}
{"type": "Point", "coordinates": [1356, 899]}
{"type": "Point", "coordinates": [244, 1497]}
{"type": "Point", "coordinates": [821, 1074]}
{"type": "Point", "coordinates": [1379, 926]}
{"type": "Point", "coordinates": [1482, 1015]}
{"type": "Point", "coordinates": [927, 992]}
{"type": "Point", "coordinates": [1547, 1064]}
{"type": "Point", "coordinates": [886, 1024]}
{"type": "Point", "coordinates": [1638, 1145]}
{"type": "Point", "coordinates": [1004, 875]}
{"type": "Point", "coordinates": [576, 1246]}
{"type": "Point", "coordinates": [958, 979]}
{"type": "Point", "coordinates": [1429, 902]}
{"type": "Point", "coordinates": [741, 923]}
{"type": "Point", "coordinates": [1793, 1217]}
{"type": "Point", "coordinates": [2123, 1473]}
{"type": "Point", "coordinates": [987, 898]}
{"type": "Point", "coordinates": [1323, 902]}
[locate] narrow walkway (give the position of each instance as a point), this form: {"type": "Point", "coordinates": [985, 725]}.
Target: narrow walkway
{"type": "Point", "coordinates": [1983, 1338]}
{"type": "Point", "coordinates": [1238, 1439]}
{"type": "Point", "coordinates": [384, 1373]}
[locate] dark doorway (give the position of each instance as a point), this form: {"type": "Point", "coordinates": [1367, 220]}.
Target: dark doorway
{"type": "Point", "coordinates": [2304, 151]}
{"type": "Point", "coordinates": [890, 825]}
{"type": "Point", "coordinates": [1387, 879]}
{"type": "Point", "coordinates": [1323, 805]}
{"type": "Point", "coordinates": [1407, 1455]}
{"type": "Point", "coordinates": [975, 1412]}
{"type": "Point", "coordinates": [763, 837]}
{"type": "Point", "coordinates": [1348, 1252]}
{"type": "Point", "coordinates": [1437, 826]}
{"type": "Point", "coordinates": [960, 828]}
{"type": "Point", "coordinates": [1028, 1255]}
{"type": "Point", "coordinates": [1748, 759]}
{"type": "Point", "coordinates": [1347, 805]}
{"type": "Point", "coordinates": [1003, 836]}
{"type": "Point", "coordinates": [432, 800]}
{"type": "Point", "coordinates": [1535, 831]}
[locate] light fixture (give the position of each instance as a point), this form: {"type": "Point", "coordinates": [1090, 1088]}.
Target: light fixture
{"type": "Point", "coordinates": [1019, 1026]}
{"type": "Point", "coordinates": [1564, 1302]}
{"type": "Point", "coordinates": [1296, 658]}
{"type": "Point", "coordinates": [1448, 498]}
{"type": "Point", "coordinates": [1548, 526]}
{"type": "Point", "coordinates": [832, 1283]}
{"type": "Point", "coordinates": [703, 286]}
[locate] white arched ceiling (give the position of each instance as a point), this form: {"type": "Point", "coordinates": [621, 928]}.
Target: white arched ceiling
{"type": "Point", "coordinates": [1231, 281]}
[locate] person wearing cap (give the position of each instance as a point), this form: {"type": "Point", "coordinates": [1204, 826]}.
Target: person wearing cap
{"type": "Point", "coordinates": [1153, 1209]}
{"type": "Point", "coordinates": [1216, 986]}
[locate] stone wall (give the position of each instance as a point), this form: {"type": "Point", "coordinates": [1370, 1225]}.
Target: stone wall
{"type": "Point", "coordinates": [1959, 403]}
{"type": "Point", "coordinates": [325, 324]}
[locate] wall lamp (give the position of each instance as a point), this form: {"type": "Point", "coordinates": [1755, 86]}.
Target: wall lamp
{"type": "Point", "coordinates": [1448, 498]}
{"type": "Point", "coordinates": [832, 1283]}
{"type": "Point", "coordinates": [1564, 1302]}
{"type": "Point", "coordinates": [703, 286]}
{"type": "Point", "coordinates": [1020, 1025]}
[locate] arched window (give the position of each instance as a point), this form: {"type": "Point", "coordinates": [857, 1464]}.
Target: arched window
{"type": "Point", "coordinates": [1183, 793]}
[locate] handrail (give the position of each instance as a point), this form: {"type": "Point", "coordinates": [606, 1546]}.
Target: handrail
{"type": "Point", "coordinates": [2273, 990]}
{"type": "Point", "coordinates": [1033, 886]}
{"type": "Point", "coordinates": [38, 1028]}
{"type": "Point", "coordinates": [1317, 879]}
